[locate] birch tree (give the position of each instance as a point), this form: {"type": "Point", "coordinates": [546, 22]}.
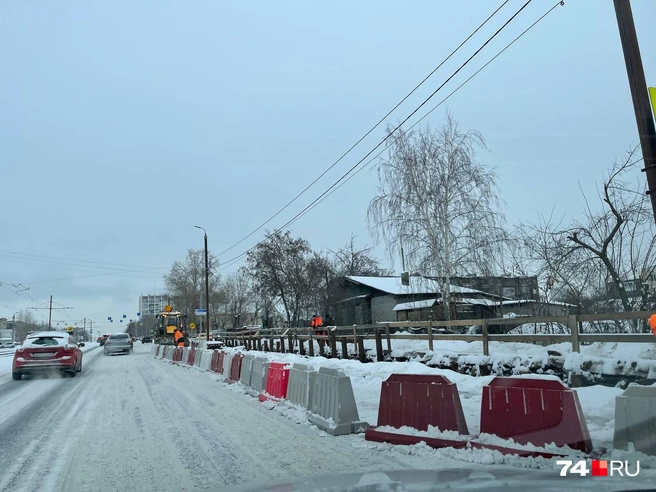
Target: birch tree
{"type": "Point", "coordinates": [438, 203]}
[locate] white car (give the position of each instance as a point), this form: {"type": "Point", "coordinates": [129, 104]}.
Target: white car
{"type": "Point", "coordinates": [7, 345]}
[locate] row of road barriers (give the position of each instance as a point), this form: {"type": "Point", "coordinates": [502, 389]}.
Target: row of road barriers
{"type": "Point", "coordinates": [527, 411]}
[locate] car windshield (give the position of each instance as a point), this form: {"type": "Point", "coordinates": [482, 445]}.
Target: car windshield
{"type": "Point", "coordinates": [119, 337]}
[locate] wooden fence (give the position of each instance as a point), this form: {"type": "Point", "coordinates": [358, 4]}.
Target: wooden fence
{"type": "Point", "coordinates": [285, 339]}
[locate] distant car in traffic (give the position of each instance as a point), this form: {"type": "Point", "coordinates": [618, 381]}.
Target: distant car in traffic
{"type": "Point", "coordinates": [118, 343]}
{"type": "Point", "coordinates": [146, 340]}
{"type": "Point", "coordinates": [102, 339]}
{"type": "Point", "coordinates": [7, 345]}
{"type": "Point", "coordinates": [47, 351]}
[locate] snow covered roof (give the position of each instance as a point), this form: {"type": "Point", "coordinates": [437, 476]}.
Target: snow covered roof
{"type": "Point", "coordinates": [418, 285]}
{"type": "Point", "coordinates": [354, 298]}
{"type": "Point", "coordinates": [415, 305]}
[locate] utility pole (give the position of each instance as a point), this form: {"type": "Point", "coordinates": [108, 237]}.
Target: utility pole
{"type": "Point", "coordinates": [639, 93]}
{"type": "Point", "coordinates": [207, 287]}
{"type": "Point", "coordinates": [50, 308]}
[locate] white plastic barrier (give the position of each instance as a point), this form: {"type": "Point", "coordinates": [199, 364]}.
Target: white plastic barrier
{"type": "Point", "coordinates": [199, 355]}
{"type": "Point", "coordinates": [153, 349]}
{"type": "Point", "coordinates": [333, 404]}
{"type": "Point", "coordinates": [246, 367]}
{"type": "Point", "coordinates": [185, 355]}
{"type": "Point", "coordinates": [227, 364]}
{"type": "Point", "coordinates": [635, 420]}
{"type": "Point", "coordinates": [206, 360]}
{"type": "Point", "coordinates": [301, 384]}
{"type": "Point", "coordinates": [259, 370]}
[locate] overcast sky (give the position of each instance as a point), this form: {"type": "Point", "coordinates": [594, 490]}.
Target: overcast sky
{"type": "Point", "coordinates": [124, 124]}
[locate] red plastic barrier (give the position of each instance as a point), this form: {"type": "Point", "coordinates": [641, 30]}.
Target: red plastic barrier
{"type": "Point", "coordinates": [219, 366]}
{"type": "Point", "coordinates": [191, 357]}
{"type": "Point", "coordinates": [235, 368]}
{"type": "Point", "coordinates": [177, 355]}
{"type": "Point", "coordinates": [214, 361]}
{"type": "Point", "coordinates": [536, 411]}
{"type": "Point", "coordinates": [277, 381]}
{"type": "Point", "coordinates": [418, 401]}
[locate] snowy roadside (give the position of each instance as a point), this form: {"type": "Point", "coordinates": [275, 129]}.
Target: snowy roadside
{"type": "Point", "coordinates": [598, 403]}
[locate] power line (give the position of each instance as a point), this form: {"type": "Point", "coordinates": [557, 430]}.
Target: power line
{"type": "Point", "coordinates": [91, 264]}
{"type": "Point", "coordinates": [342, 179]}
{"type": "Point", "coordinates": [314, 204]}
{"type": "Point", "coordinates": [368, 132]}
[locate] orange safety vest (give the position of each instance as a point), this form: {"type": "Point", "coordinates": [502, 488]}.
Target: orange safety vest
{"type": "Point", "coordinates": [652, 323]}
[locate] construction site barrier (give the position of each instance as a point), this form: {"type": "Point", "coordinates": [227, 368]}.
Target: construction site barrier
{"type": "Point", "coordinates": [235, 368]}
{"type": "Point", "coordinates": [333, 404]}
{"type": "Point", "coordinates": [191, 356]}
{"type": "Point", "coordinates": [301, 385]}
{"type": "Point", "coordinates": [417, 401]}
{"type": "Point", "coordinates": [180, 354]}
{"type": "Point", "coordinates": [246, 367]}
{"type": "Point", "coordinates": [205, 359]}
{"type": "Point", "coordinates": [276, 382]}
{"type": "Point", "coordinates": [200, 353]}
{"type": "Point", "coordinates": [534, 411]}
{"type": "Point", "coordinates": [219, 367]}
{"type": "Point", "coordinates": [259, 371]}
{"type": "Point", "coordinates": [635, 419]}
{"type": "Point", "coordinates": [214, 364]}
{"type": "Point", "coordinates": [154, 350]}
{"type": "Point", "coordinates": [185, 354]}
{"type": "Point", "coordinates": [227, 364]}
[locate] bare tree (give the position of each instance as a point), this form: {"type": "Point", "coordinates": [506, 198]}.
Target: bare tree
{"type": "Point", "coordinates": [185, 283]}
{"type": "Point", "coordinates": [349, 260]}
{"type": "Point", "coordinates": [285, 269]}
{"type": "Point", "coordinates": [238, 296]}
{"type": "Point", "coordinates": [610, 246]}
{"type": "Point", "coordinates": [438, 203]}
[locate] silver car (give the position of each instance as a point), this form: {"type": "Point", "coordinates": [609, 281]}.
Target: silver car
{"type": "Point", "coordinates": [118, 343]}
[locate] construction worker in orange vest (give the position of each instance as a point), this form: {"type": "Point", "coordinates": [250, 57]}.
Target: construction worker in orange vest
{"type": "Point", "coordinates": [652, 323]}
{"type": "Point", "coordinates": [179, 338]}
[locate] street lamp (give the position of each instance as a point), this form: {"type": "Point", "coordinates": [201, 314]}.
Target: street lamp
{"type": "Point", "coordinates": [13, 327]}
{"type": "Point", "coordinates": [207, 287]}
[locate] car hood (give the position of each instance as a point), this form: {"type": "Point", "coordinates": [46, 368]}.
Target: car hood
{"type": "Point", "coordinates": [483, 478]}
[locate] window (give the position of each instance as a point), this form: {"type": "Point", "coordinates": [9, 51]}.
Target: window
{"type": "Point", "coordinates": [508, 291]}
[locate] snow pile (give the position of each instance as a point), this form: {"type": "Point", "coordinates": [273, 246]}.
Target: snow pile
{"type": "Point", "coordinates": [506, 358]}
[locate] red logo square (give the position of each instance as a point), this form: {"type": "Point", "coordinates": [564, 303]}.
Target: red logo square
{"type": "Point", "coordinates": [599, 468]}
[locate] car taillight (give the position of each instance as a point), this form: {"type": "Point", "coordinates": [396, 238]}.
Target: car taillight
{"type": "Point", "coordinates": [19, 350]}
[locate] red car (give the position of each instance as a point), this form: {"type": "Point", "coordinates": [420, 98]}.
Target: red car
{"type": "Point", "coordinates": [47, 351]}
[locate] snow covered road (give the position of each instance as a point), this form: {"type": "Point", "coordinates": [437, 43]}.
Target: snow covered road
{"type": "Point", "coordinates": [136, 423]}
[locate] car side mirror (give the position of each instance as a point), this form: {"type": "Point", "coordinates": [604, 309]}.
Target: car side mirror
{"type": "Point", "coordinates": [81, 344]}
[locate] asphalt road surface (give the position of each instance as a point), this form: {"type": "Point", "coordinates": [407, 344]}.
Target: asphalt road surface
{"type": "Point", "coordinates": [131, 422]}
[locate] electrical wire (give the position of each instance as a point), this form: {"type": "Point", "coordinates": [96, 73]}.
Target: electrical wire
{"type": "Point", "coordinates": [368, 132]}
{"type": "Point", "coordinates": [343, 179]}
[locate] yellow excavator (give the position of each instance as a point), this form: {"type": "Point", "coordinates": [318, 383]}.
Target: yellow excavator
{"type": "Point", "coordinates": [167, 322]}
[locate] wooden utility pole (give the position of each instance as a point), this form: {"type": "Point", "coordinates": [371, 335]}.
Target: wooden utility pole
{"type": "Point", "coordinates": [639, 94]}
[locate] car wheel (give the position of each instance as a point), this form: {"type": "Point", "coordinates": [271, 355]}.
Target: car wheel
{"type": "Point", "coordinates": [73, 373]}
{"type": "Point", "coordinates": [16, 376]}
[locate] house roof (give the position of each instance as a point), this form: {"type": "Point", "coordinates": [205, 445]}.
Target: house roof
{"type": "Point", "coordinates": [409, 306]}
{"type": "Point", "coordinates": [418, 285]}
